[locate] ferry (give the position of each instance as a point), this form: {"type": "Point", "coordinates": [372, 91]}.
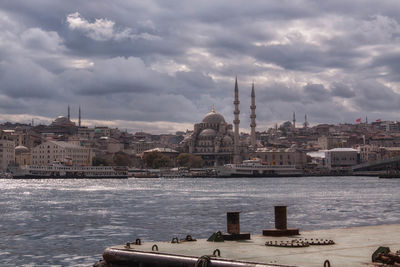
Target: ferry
{"type": "Point", "coordinates": [61, 171]}
{"type": "Point", "coordinates": [256, 168]}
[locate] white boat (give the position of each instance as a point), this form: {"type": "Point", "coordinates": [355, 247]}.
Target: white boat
{"type": "Point", "coordinates": [62, 171]}
{"type": "Point", "coordinates": [255, 168]}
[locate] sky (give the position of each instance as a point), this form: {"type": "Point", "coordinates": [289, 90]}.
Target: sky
{"type": "Point", "coordinates": [160, 66]}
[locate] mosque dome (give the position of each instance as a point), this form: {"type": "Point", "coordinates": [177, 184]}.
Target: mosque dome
{"type": "Point", "coordinates": [21, 149]}
{"type": "Point", "coordinates": [227, 140]}
{"type": "Point", "coordinates": [208, 133]}
{"type": "Point", "coordinates": [62, 121]}
{"type": "Point", "coordinates": [213, 117]}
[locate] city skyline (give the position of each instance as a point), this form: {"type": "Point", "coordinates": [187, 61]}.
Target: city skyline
{"type": "Point", "coordinates": [160, 67]}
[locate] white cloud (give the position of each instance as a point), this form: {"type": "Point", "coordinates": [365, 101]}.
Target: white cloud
{"type": "Point", "coordinates": [100, 30]}
{"type": "Point", "coordinates": [104, 29]}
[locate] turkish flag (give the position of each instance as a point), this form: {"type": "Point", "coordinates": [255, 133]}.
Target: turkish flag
{"type": "Point", "coordinates": [358, 120]}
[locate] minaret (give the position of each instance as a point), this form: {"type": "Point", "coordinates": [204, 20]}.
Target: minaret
{"type": "Point", "coordinates": [236, 121]}
{"type": "Point", "coordinates": [305, 121]}
{"type": "Point", "coordinates": [366, 119]}
{"type": "Point", "coordinates": [253, 118]}
{"type": "Point", "coordinates": [294, 120]}
{"type": "Point", "coordinates": [69, 114]}
{"type": "Point", "coordinates": [79, 120]}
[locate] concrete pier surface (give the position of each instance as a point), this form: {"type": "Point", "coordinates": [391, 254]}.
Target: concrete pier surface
{"type": "Point", "coordinates": [352, 247]}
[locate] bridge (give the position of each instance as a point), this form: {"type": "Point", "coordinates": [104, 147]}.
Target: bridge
{"type": "Point", "coordinates": [392, 163]}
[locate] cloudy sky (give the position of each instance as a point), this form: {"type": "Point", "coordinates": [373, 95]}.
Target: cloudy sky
{"type": "Point", "coordinates": [159, 66]}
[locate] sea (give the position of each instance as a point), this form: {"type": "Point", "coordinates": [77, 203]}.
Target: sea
{"type": "Point", "coordinates": [50, 222]}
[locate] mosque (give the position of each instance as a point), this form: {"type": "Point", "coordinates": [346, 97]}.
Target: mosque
{"type": "Point", "coordinates": [218, 142]}
{"type": "Point", "coordinates": [62, 121]}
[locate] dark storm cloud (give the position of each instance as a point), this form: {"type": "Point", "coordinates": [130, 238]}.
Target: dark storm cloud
{"type": "Point", "coordinates": [376, 96]}
{"type": "Point", "coordinates": [172, 60]}
{"type": "Point", "coordinates": [278, 92]}
{"type": "Point", "coordinates": [316, 92]}
{"type": "Point", "coordinates": [341, 90]}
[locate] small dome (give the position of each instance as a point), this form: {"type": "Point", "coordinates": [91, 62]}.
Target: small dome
{"type": "Point", "coordinates": [21, 149]}
{"type": "Point", "coordinates": [227, 140]}
{"type": "Point", "coordinates": [208, 132]}
{"type": "Point", "coordinates": [213, 117]}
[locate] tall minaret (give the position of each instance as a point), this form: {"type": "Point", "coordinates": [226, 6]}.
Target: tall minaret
{"type": "Point", "coordinates": [79, 120]}
{"type": "Point", "coordinates": [236, 121]}
{"type": "Point", "coordinates": [294, 120]}
{"type": "Point", "coordinates": [305, 121]}
{"type": "Point", "coordinates": [69, 114]}
{"type": "Point", "coordinates": [253, 118]}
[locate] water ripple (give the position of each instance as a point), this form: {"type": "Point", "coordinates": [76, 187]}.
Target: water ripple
{"type": "Point", "coordinates": [70, 222]}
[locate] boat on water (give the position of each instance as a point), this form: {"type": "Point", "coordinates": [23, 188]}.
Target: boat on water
{"type": "Point", "coordinates": [390, 176]}
{"type": "Point", "coordinates": [256, 168]}
{"type": "Point", "coordinates": [142, 173]}
{"type": "Point", "coordinates": [59, 170]}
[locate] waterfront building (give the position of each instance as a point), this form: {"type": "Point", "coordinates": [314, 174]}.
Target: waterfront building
{"type": "Point", "coordinates": [7, 153]}
{"type": "Point", "coordinates": [368, 153]}
{"type": "Point", "coordinates": [288, 156]}
{"type": "Point", "coordinates": [341, 158]}
{"type": "Point", "coordinates": [50, 151]}
{"type": "Point", "coordinates": [22, 156]}
{"type": "Point", "coordinates": [317, 159]}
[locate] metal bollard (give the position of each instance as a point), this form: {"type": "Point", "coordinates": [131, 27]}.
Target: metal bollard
{"type": "Point", "coordinates": [233, 222]}
{"type": "Point", "coordinates": [280, 224]}
{"type": "Point", "coordinates": [280, 217]}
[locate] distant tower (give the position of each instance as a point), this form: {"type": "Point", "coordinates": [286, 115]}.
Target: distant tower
{"type": "Point", "coordinates": [79, 120]}
{"type": "Point", "coordinates": [305, 121]}
{"type": "Point", "coordinates": [253, 118]}
{"type": "Point", "coordinates": [294, 120]}
{"type": "Point", "coordinates": [366, 119]}
{"type": "Point", "coordinates": [69, 114]}
{"type": "Point", "coordinates": [236, 121]}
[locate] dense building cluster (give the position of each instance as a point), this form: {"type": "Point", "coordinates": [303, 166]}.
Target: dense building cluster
{"type": "Point", "coordinates": [213, 140]}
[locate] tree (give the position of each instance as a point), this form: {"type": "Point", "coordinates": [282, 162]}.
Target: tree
{"type": "Point", "coordinates": [189, 161]}
{"type": "Point", "coordinates": [122, 159]}
{"type": "Point", "coordinates": [156, 160]}
{"type": "Point", "coordinates": [98, 161]}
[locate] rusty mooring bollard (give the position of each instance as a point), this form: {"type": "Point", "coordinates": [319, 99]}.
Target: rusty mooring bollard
{"type": "Point", "coordinates": [280, 224]}
{"type": "Point", "coordinates": [233, 222]}
{"type": "Point", "coordinates": [233, 227]}
{"type": "Point", "coordinates": [280, 217]}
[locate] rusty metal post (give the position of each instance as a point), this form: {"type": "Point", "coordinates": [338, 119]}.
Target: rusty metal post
{"type": "Point", "coordinates": [280, 218]}
{"type": "Point", "coordinates": [233, 222]}
{"type": "Point", "coordinates": [281, 224]}
{"type": "Point", "coordinates": [233, 227]}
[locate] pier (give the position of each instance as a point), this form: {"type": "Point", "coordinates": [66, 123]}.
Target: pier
{"type": "Point", "coordinates": [272, 247]}
{"type": "Point", "coordinates": [353, 247]}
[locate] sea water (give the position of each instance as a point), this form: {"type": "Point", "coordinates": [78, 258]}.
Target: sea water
{"type": "Point", "coordinates": [70, 222]}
